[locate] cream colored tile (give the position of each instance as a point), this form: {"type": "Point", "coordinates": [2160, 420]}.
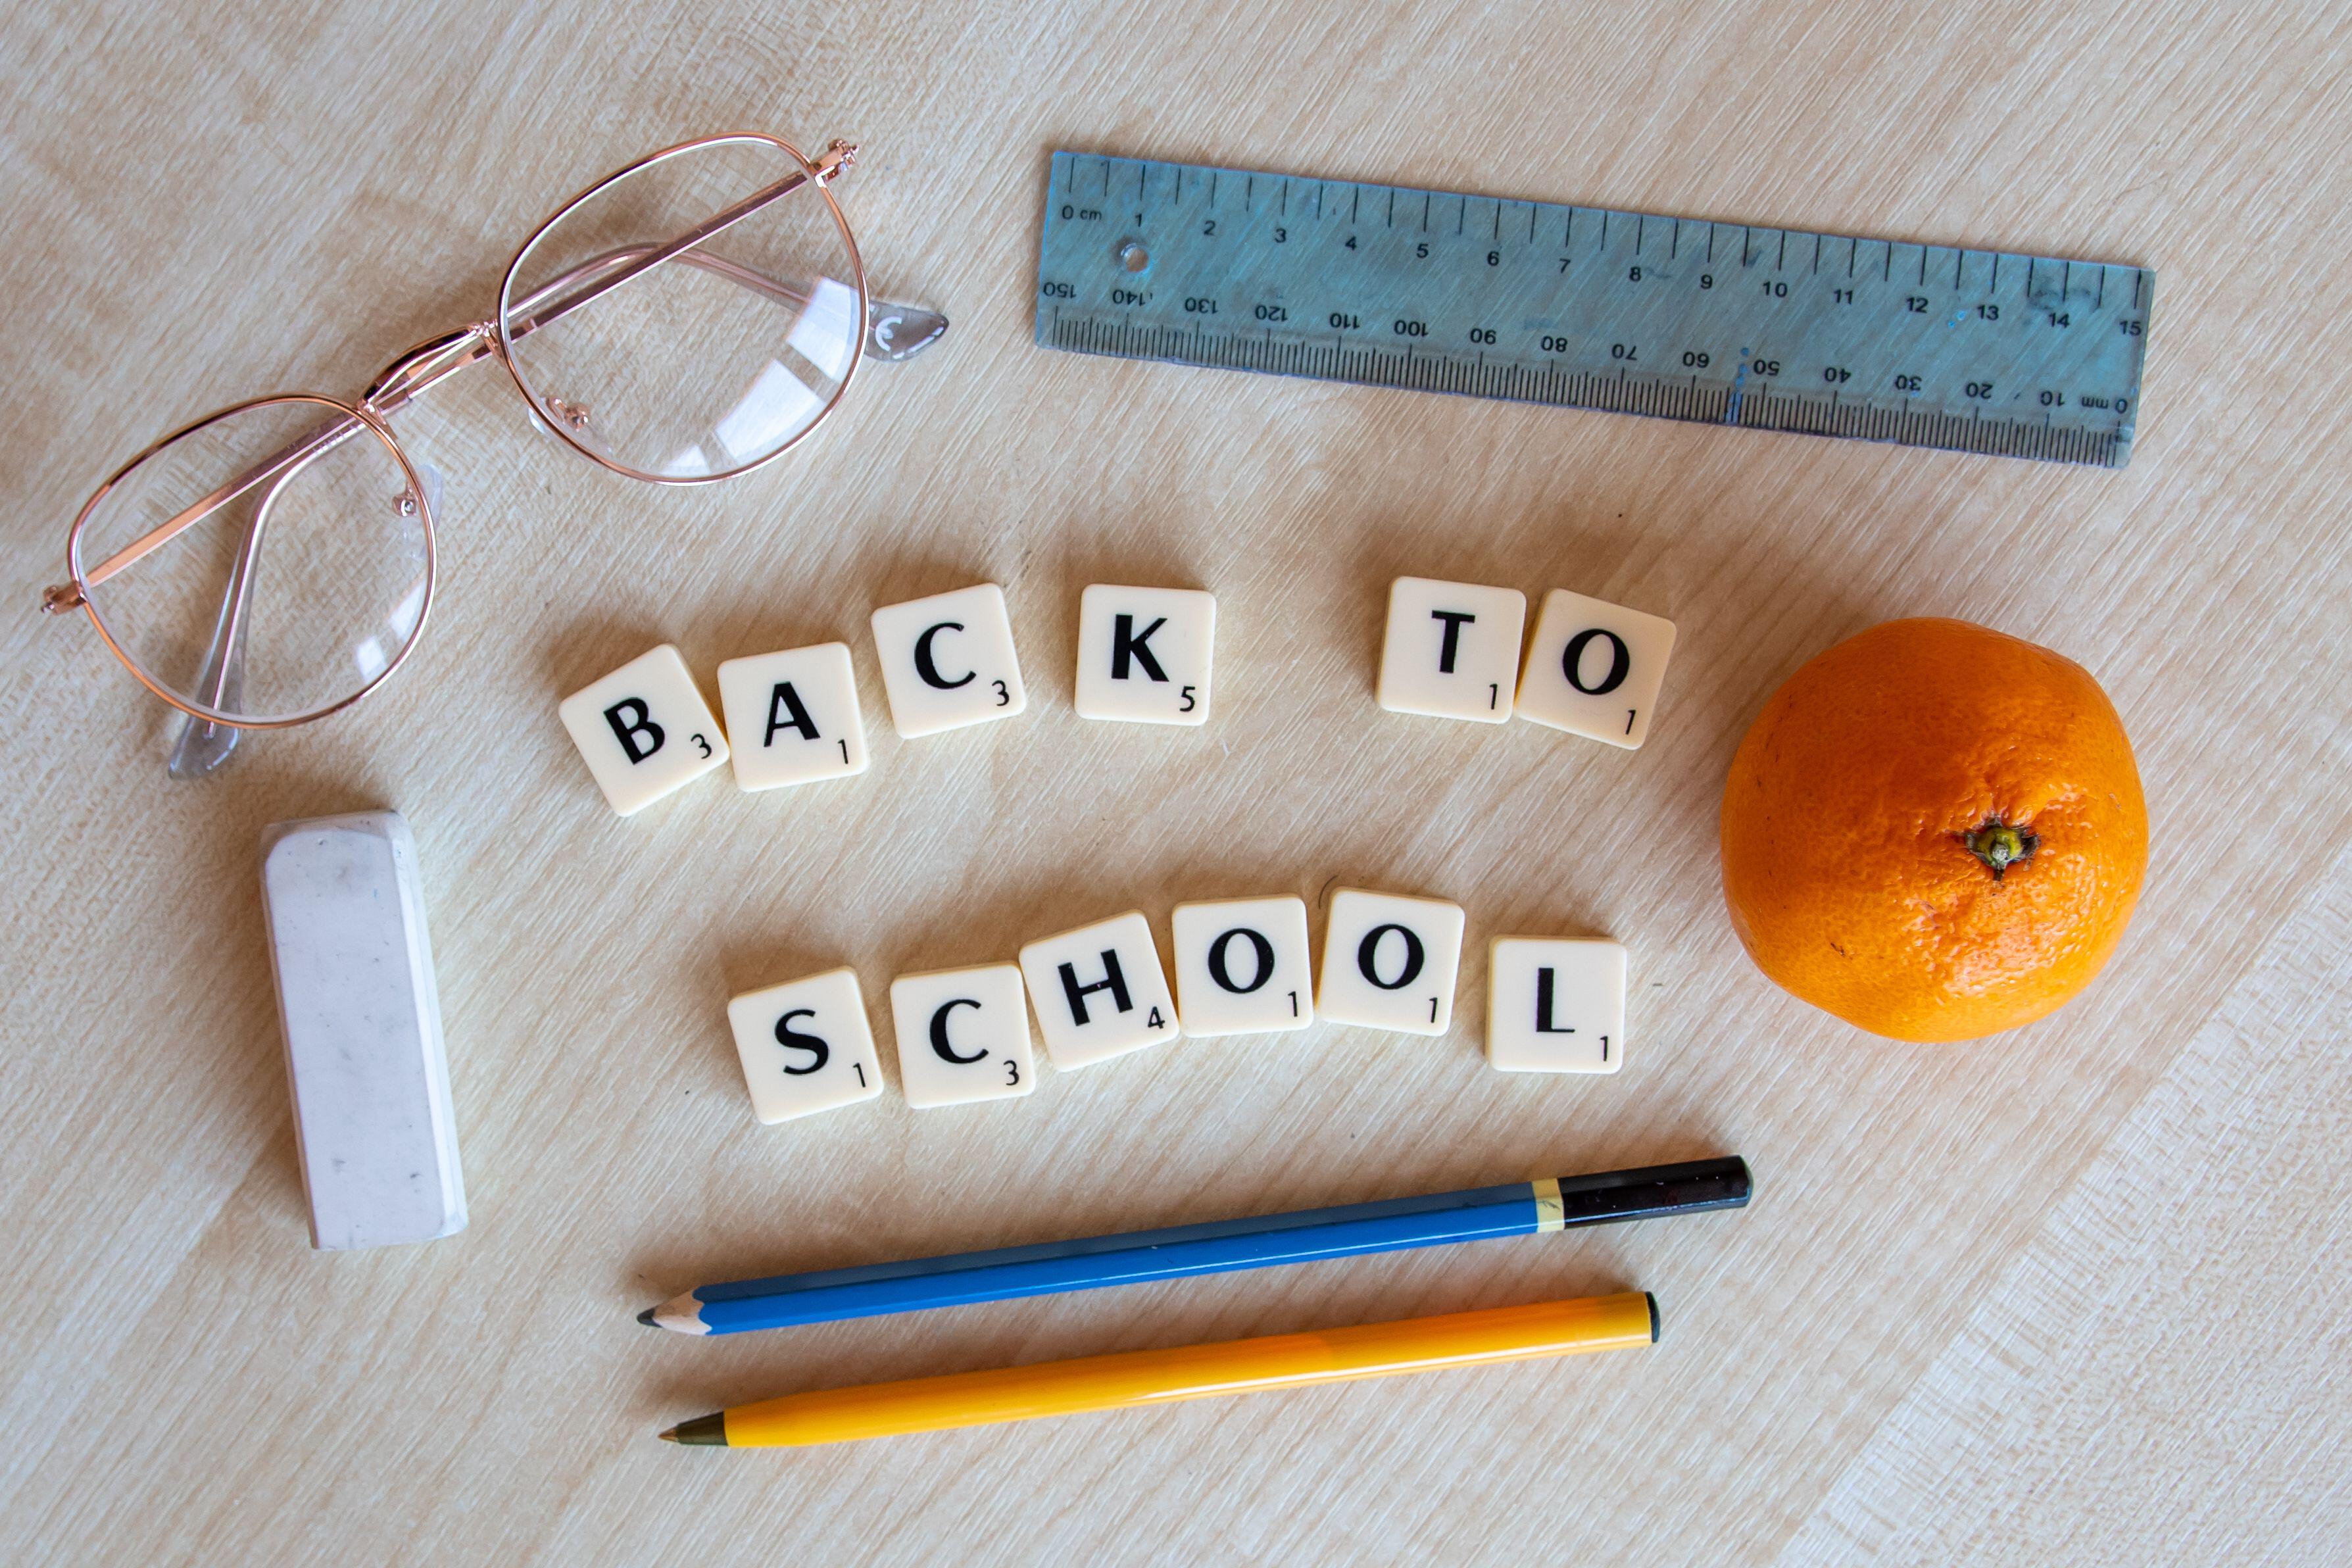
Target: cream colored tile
{"type": "Point", "coordinates": [645, 730]}
{"type": "Point", "coordinates": [1144, 654]}
{"type": "Point", "coordinates": [1555, 1005]}
{"type": "Point", "coordinates": [1594, 668]}
{"type": "Point", "coordinates": [1099, 991]}
{"type": "Point", "coordinates": [1243, 966]}
{"type": "Point", "coordinates": [793, 716]}
{"type": "Point", "coordinates": [1389, 961]}
{"type": "Point", "coordinates": [963, 1036]}
{"type": "Point", "coordinates": [948, 660]}
{"type": "Point", "coordinates": [1452, 650]}
{"type": "Point", "coordinates": [806, 1045]}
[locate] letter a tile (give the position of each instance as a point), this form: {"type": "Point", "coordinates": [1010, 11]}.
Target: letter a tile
{"type": "Point", "coordinates": [793, 716]}
{"type": "Point", "coordinates": [645, 730]}
{"type": "Point", "coordinates": [1099, 991]}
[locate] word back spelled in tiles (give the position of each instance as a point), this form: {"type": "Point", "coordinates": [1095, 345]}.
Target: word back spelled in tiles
{"type": "Point", "coordinates": [793, 716]}
{"type": "Point", "coordinates": [1594, 668]}
{"type": "Point", "coordinates": [1555, 1005]}
{"type": "Point", "coordinates": [1243, 966]}
{"type": "Point", "coordinates": [806, 1045]}
{"type": "Point", "coordinates": [1390, 961]}
{"type": "Point", "coordinates": [963, 1036]}
{"type": "Point", "coordinates": [1452, 650]}
{"type": "Point", "coordinates": [1144, 654]}
{"type": "Point", "coordinates": [948, 660]}
{"type": "Point", "coordinates": [1099, 991]}
{"type": "Point", "coordinates": [645, 730]}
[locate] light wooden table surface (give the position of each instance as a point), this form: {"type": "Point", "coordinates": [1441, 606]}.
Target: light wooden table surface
{"type": "Point", "coordinates": [2074, 1296]}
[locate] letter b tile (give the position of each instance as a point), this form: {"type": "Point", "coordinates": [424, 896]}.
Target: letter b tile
{"type": "Point", "coordinates": [1143, 654]}
{"type": "Point", "coordinates": [1389, 961]}
{"type": "Point", "coordinates": [1099, 991]}
{"type": "Point", "coordinates": [1555, 1005]}
{"type": "Point", "coordinates": [806, 1045]}
{"type": "Point", "coordinates": [1243, 966]}
{"type": "Point", "coordinates": [1452, 650]}
{"type": "Point", "coordinates": [1594, 668]}
{"type": "Point", "coordinates": [948, 660]}
{"type": "Point", "coordinates": [963, 1036]}
{"type": "Point", "coordinates": [645, 730]}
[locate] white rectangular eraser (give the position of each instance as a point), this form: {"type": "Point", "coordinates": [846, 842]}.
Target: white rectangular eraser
{"type": "Point", "coordinates": [363, 1023]}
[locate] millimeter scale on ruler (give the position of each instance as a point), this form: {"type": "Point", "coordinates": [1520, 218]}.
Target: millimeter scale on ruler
{"type": "Point", "coordinates": [1720, 323]}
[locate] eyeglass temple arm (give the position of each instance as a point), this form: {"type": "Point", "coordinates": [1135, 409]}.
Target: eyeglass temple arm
{"type": "Point", "coordinates": [446, 356]}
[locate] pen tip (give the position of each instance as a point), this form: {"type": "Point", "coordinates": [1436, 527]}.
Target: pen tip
{"type": "Point", "coordinates": [646, 1318]}
{"type": "Point", "coordinates": [669, 1435]}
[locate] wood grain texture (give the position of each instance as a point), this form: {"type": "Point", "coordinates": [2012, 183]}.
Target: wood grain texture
{"type": "Point", "coordinates": [2029, 1300]}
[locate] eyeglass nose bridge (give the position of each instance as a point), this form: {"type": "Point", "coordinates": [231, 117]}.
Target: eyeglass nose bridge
{"type": "Point", "coordinates": [424, 365]}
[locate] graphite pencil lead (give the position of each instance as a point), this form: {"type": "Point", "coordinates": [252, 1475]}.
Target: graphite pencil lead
{"type": "Point", "coordinates": [646, 1318]}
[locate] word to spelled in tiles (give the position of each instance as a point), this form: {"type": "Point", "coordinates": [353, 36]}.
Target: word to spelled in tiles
{"type": "Point", "coordinates": [793, 716]}
{"type": "Point", "coordinates": [1144, 654]}
{"type": "Point", "coordinates": [963, 1036]}
{"type": "Point", "coordinates": [1389, 961]}
{"type": "Point", "coordinates": [948, 660]}
{"type": "Point", "coordinates": [1452, 650]}
{"type": "Point", "coordinates": [1243, 966]}
{"type": "Point", "coordinates": [1594, 668]}
{"type": "Point", "coordinates": [645, 730]}
{"type": "Point", "coordinates": [1555, 1005]}
{"type": "Point", "coordinates": [1099, 991]}
{"type": "Point", "coordinates": [806, 1045]}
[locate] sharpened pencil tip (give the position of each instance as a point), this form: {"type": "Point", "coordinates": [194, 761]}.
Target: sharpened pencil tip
{"type": "Point", "coordinates": [669, 1435]}
{"type": "Point", "coordinates": [646, 1318]}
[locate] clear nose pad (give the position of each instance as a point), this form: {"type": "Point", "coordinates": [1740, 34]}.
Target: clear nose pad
{"type": "Point", "coordinates": [430, 477]}
{"type": "Point", "coordinates": [579, 421]}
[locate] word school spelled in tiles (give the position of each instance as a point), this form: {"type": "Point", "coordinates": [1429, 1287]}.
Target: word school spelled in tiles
{"type": "Point", "coordinates": [1145, 655]}
{"type": "Point", "coordinates": [1390, 961]}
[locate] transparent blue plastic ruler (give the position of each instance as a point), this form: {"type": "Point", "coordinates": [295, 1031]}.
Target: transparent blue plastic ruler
{"type": "Point", "coordinates": [1720, 323]}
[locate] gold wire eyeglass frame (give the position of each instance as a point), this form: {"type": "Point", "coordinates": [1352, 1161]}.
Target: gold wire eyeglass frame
{"type": "Point", "coordinates": [428, 363]}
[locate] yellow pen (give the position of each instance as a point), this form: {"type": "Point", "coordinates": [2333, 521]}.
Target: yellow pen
{"type": "Point", "coordinates": [1188, 1371]}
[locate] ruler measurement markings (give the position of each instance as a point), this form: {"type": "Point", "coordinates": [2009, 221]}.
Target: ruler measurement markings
{"type": "Point", "coordinates": [1454, 320]}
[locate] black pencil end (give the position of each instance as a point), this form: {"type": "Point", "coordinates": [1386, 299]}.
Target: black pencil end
{"type": "Point", "coordinates": [646, 1318]}
{"type": "Point", "coordinates": [1652, 1300]}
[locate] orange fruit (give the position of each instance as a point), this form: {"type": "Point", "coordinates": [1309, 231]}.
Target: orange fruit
{"type": "Point", "coordinates": [1934, 831]}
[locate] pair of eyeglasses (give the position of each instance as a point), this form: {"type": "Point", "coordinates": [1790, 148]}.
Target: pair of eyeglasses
{"type": "Point", "coordinates": [681, 322]}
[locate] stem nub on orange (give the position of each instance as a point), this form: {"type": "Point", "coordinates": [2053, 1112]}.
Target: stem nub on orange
{"type": "Point", "coordinates": [1934, 831]}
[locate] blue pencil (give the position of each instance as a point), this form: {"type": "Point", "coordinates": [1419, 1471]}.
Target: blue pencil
{"type": "Point", "coordinates": [1388, 1225]}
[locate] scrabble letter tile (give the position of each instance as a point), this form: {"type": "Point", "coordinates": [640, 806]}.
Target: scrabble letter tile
{"type": "Point", "coordinates": [1452, 650]}
{"type": "Point", "coordinates": [963, 1035]}
{"type": "Point", "coordinates": [806, 1045]}
{"type": "Point", "coordinates": [1099, 991]}
{"type": "Point", "coordinates": [645, 730]}
{"type": "Point", "coordinates": [1389, 961]}
{"type": "Point", "coordinates": [793, 716]}
{"type": "Point", "coordinates": [1243, 966]}
{"type": "Point", "coordinates": [948, 660]}
{"type": "Point", "coordinates": [1594, 668]}
{"type": "Point", "coordinates": [1143, 655]}
{"type": "Point", "coordinates": [1554, 1006]}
